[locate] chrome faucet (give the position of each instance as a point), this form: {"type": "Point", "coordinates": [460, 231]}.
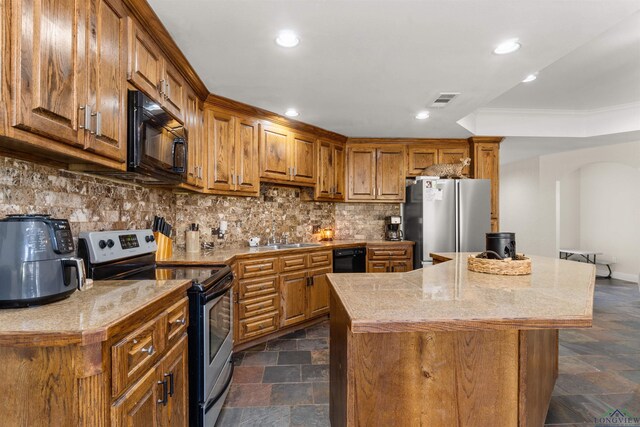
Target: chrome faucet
{"type": "Point", "coordinates": [285, 238]}
{"type": "Point", "coordinates": [272, 239]}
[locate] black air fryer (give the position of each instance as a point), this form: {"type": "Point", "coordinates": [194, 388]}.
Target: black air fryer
{"type": "Point", "coordinates": [504, 244]}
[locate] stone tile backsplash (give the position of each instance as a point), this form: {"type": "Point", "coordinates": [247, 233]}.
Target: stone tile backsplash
{"type": "Point", "coordinates": [94, 203]}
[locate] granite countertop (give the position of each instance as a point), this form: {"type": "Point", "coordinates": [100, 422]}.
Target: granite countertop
{"type": "Point", "coordinates": [228, 255]}
{"type": "Point", "coordinates": [86, 316]}
{"type": "Point", "coordinates": [447, 296]}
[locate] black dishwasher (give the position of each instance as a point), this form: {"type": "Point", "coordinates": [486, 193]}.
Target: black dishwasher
{"type": "Point", "coordinates": [353, 260]}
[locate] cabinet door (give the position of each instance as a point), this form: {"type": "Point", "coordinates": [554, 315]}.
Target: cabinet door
{"type": "Point", "coordinates": [361, 169]}
{"type": "Point", "coordinates": [293, 288]}
{"type": "Point", "coordinates": [377, 266]}
{"type": "Point", "coordinates": [175, 371]}
{"type": "Point", "coordinates": [274, 153]}
{"type": "Point", "coordinates": [453, 155]}
{"type": "Point", "coordinates": [139, 406]}
{"type": "Point", "coordinates": [221, 133]}
{"type": "Point", "coordinates": [325, 184]}
{"type": "Point", "coordinates": [318, 292]}
{"type": "Point", "coordinates": [338, 168]}
{"type": "Point", "coordinates": [145, 62]}
{"type": "Point", "coordinates": [247, 170]}
{"type": "Point", "coordinates": [195, 145]}
{"type": "Point", "coordinates": [174, 90]}
{"type": "Point", "coordinates": [107, 85]}
{"type": "Point", "coordinates": [419, 158]}
{"type": "Point", "coordinates": [486, 167]}
{"type": "Point", "coordinates": [390, 174]}
{"type": "Point", "coordinates": [303, 159]}
{"type": "Point", "coordinates": [49, 68]}
{"type": "Point", "coordinates": [399, 266]}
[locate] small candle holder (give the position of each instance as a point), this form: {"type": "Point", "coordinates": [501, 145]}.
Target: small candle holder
{"type": "Point", "coordinates": [326, 235]}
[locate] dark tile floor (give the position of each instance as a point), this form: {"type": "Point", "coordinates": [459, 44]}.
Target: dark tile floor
{"type": "Point", "coordinates": [285, 382]}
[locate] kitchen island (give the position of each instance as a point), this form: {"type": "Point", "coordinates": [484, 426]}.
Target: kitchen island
{"type": "Point", "coordinates": [444, 346]}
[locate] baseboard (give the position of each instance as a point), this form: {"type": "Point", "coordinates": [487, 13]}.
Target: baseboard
{"type": "Point", "coordinates": [625, 276]}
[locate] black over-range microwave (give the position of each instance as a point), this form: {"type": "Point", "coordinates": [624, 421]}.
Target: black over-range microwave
{"type": "Point", "coordinates": [156, 142]}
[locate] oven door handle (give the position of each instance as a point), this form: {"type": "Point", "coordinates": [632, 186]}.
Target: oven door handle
{"type": "Point", "coordinates": [213, 401]}
{"type": "Point", "coordinates": [216, 291]}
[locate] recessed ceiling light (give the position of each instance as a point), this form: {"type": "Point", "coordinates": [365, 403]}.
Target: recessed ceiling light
{"type": "Point", "coordinates": [291, 112]}
{"type": "Point", "coordinates": [422, 115]}
{"type": "Point", "coordinates": [287, 38]}
{"type": "Point", "coordinates": [507, 46]}
{"type": "Point", "coordinates": [529, 78]}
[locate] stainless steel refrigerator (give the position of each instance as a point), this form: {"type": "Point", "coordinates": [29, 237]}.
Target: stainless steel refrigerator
{"type": "Point", "coordinates": [446, 215]}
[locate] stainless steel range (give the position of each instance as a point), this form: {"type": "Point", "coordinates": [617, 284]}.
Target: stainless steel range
{"type": "Point", "coordinates": [130, 255]}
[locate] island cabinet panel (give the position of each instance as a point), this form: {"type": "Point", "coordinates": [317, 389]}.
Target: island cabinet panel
{"type": "Point", "coordinates": [107, 79]}
{"type": "Point", "coordinates": [50, 68]}
{"type": "Point", "coordinates": [431, 378]}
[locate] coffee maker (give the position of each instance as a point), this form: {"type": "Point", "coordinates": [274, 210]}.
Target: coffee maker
{"type": "Point", "coordinates": [392, 228]}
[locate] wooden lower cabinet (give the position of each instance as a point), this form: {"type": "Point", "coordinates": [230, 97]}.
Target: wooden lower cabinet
{"type": "Point", "coordinates": [390, 257]}
{"type": "Point", "coordinates": [160, 397]}
{"type": "Point", "coordinates": [318, 292]}
{"type": "Point", "coordinates": [293, 291]}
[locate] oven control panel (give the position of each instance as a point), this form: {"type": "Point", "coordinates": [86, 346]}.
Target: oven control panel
{"type": "Point", "coordinates": [105, 246]}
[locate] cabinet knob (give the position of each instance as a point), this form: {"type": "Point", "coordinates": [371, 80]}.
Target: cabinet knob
{"type": "Point", "coordinates": [148, 350]}
{"type": "Point", "coordinates": [180, 321]}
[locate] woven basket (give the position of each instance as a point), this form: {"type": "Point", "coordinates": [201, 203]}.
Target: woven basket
{"type": "Point", "coordinates": [505, 267]}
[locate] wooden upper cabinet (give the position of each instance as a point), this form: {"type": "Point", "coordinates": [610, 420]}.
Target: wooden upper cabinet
{"type": "Point", "coordinates": [376, 173]}
{"type": "Point", "coordinates": [145, 62]}
{"type": "Point", "coordinates": [453, 155]}
{"type": "Point", "coordinates": [194, 117]}
{"type": "Point", "coordinates": [361, 173]}
{"type": "Point", "coordinates": [390, 175]}
{"type": "Point", "coordinates": [153, 74]}
{"type": "Point", "coordinates": [173, 86]}
{"type": "Point", "coordinates": [50, 68]}
{"type": "Point", "coordinates": [247, 169]}
{"type": "Point", "coordinates": [274, 153]}
{"type": "Point", "coordinates": [420, 157]}
{"type": "Point", "coordinates": [221, 136]}
{"type": "Point", "coordinates": [233, 153]}
{"type": "Point", "coordinates": [107, 79]}
{"type": "Point", "coordinates": [486, 166]}
{"type": "Point", "coordinates": [286, 156]}
{"type": "Point", "coordinates": [338, 162]}
{"type": "Point", "coordinates": [303, 158]}
{"type": "Point", "coordinates": [330, 171]}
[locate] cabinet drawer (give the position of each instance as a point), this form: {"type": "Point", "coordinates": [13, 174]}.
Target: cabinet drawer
{"type": "Point", "coordinates": [257, 306]}
{"type": "Point", "coordinates": [257, 267]}
{"type": "Point", "coordinates": [377, 266]}
{"type": "Point", "coordinates": [293, 262]}
{"type": "Point", "coordinates": [258, 325]}
{"type": "Point", "coordinates": [177, 320]}
{"type": "Point", "coordinates": [135, 354]}
{"type": "Point", "coordinates": [320, 259]}
{"type": "Point", "coordinates": [397, 252]}
{"type": "Point", "coordinates": [260, 286]}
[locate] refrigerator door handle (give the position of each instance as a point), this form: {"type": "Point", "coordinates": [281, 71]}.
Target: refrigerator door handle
{"type": "Point", "coordinates": [458, 216]}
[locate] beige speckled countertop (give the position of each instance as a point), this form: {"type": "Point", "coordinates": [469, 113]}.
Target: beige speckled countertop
{"type": "Point", "coordinates": [446, 296]}
{"type": "Point", "coordinates": [86, 316]}
{"type": "Point", "coordinates": [228, 255]}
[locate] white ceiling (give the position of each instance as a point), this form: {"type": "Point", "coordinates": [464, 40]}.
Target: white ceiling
{"type": "Point", "coordinates": [364, 68]}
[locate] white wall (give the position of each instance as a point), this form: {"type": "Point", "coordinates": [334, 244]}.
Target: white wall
{"type": "Point", "coordinates": [570, 210]}
{"type": "Point", "coordinates": [534, 220]}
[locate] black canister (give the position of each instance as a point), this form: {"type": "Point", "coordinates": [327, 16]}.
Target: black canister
{"type": "Point", "coordinates": [504, 244]}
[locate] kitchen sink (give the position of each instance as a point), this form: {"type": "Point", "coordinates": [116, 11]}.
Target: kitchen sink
{"type": "Point", "coordinates": [290, 246]}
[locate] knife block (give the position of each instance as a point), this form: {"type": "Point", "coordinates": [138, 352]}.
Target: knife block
{"type": "Point", "coordinates": [165, 246]}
